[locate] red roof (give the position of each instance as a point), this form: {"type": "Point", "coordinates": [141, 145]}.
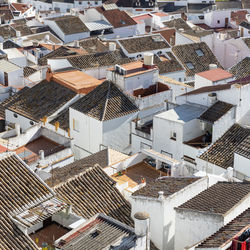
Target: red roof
{"type": "Point", "coordinates": [21, 7]}
{"type": "Point", "coordinates": [215, 75]}
{"type": "Point", "coordinates": [2, 149]}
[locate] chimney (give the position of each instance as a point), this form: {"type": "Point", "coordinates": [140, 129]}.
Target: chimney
{"type": "Point", "coordinates": [160, 195]}
{"type": "Point", "coordinates": [48, 75]}
{"type": "Point", "coordinates": [230, 173]}
{"type": "Point", "coordinates": [141, 220]}
{"type": "Point", "coordinates": [18, 129]}
{"type": "Point", "coordinates": [18, 33]}
{"type": "Point", "coordinates": [212, 98]}
{"type": "Point", "coordinates": [76, 44]}
{"type": "Point", "coordinates": [212, 66]}
{"type": "Point", "coordinates": [112, 46]}
{"type": "Point", "coordinates": [148, 61]}
{"type": "Point", "coordinates": [1, 46]}
{"type": "Point", "coordinates": [41, 154]}
{"type": "Point", "coordinates": [172, 41]}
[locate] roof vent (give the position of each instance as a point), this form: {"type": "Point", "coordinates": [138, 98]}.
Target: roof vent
{"type": "Point", "coordinates": [161, 195]}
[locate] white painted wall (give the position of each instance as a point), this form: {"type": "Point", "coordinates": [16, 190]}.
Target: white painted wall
{"type": "Point", "coordinates": [89, 136]}
{"type": "Point", "coordinates": [116, 133]}
{"type": "Point", "coordinates": [216, 18]}
{"type": "Point", "coordinates": [241, 164]}
{"type": "Point", "coordinates": [162, 213]}
{"type": "Point", "coordinates": [15, 78]}
{"type": "Point", "coordinates": [194, 226]}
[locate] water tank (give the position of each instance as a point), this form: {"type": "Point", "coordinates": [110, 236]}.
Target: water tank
{"type": "Point", "coordinates": [148, 59]}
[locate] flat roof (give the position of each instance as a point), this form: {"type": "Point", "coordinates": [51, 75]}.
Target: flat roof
{"type": "Point", "coordinates": [134, 174]}
{"type": "Point", "coordinates": [13, 53]}
{"type": "Point", "coordinates": [183, 113]}
{"type": "Point", "coordinates": [134, 68]}
{"type": "Point", "coordinates": [76, 80]}
{"type": "Point", "coordinates": [7, 66]}
{"type": "Point", "coordinates": [215, 75]}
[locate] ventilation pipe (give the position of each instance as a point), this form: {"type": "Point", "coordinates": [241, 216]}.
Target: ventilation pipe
{"type": "Point", "coordinates": [148, 60]}
{"type": "Point", "coordinates": [112, 46]}
{"type": "Point", "coordinates": [41, 154]}
{"type": "Point", "coordinates": [212, 66]}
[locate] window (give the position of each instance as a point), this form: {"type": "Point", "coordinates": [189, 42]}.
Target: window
{"type": "Point", "coordinates": [123, 22]}
{"type": "Point", "coordinates": [190, 65]}
{"type": "Point", "coordinates": [145, 146]}
{"type": "Point", "coordinates": [96, 2]}
{"type": "Point", "coordinates": [218, 21]}
{"type": "Point", "coordinates": [15, 115]}
{"type": "Point", "coordinates": [166, 153]}
{"type": "Point", "coordinates": [173, 135]}
{"type": "Point", "coordinates": [199, 52]}
{"type": "Point", "coordinates": [32, 123]}
{"type": "Point", "coordinates": [80, 2]}
{"type": "Point", "coordinates": [179, 79]}
{"type": "Point", "coordinates": [76, 125]}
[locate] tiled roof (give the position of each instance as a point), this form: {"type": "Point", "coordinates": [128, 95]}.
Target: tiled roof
{"type": "Point", "coordinates": [221, 153]}
{"type": "Point", "coordinates": [244, 148]}
{"type": "Point", "coordinates": [63, 119]}
{"type": "Point", "coordinates": [98, 60]}
{"type": "Point", "coordinates": [62, 51]}
{"type": "Point", "coordinates": [219, 198]}
{"type": "Point", "coordinates": [224, 5]}
{"type": "Point", "coordinates": [187, 53]}
{"type": "Point", "coordinates": [93, 191]}
{"type": "Point", "coordinates": [227, 232]}
{"type": "Point", "coordinates": [24, 29]}
{"type": "Point", "coordinates": [241, 69]}
{"type": "Point", "coordinates": [42, 100]}
{"type": "Point", "coordinates": [117, 18]}
{"type": "Point", "coordinates": [216, 111]}
{"type": "Point", "coordinates": [245, 4]}
{"type": "Point", "coordinates": [7, 14]}
{"type": "Point", "coordinates": [245, 25]}
{"type": "Point", "coordinates": [247, 41]}
{"type": "Point", "coordinates": [131, 3]}
{"type": "Point", "coordinates": [110, 233]}
{"type": "Point", "coordinates": [21, 7]}
{"type": "Point", "coordinates": [178, 23]}
{"type": "Point", "coordinates": [103, 158]}
{"type": "Point", "coordinates": [169, 185]}
{"type": "Point", "coordinates": [167, 34]}
{"type": "Point", "coordinates": [168, 65]}
{"type": "Point", "coordinates": [215, 74]}
{"type": "Point", "coordinates": [70, 24]}
{"type": "Point", "coordinates": [7, 102]}
{"type": "Point", "coordinates": [219, 87]}
{"type": "Point", "coordinates": [144, 43]}
{"type": "Point", "coordinates": [93, 45]}
{"type": "Point", "coordinates": [6, 31]}
{"type": "Point", "coordinates": [27, 71]}
{"type": "Point", "coordinates": [19, 187]}
{"type": "Point", "coordinates": [10, 45]}
{"type": "Point", "coordinates": [105, 102]}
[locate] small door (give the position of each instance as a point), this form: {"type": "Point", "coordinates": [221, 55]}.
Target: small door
{"type": "Point", "coordinates": [6, 79]}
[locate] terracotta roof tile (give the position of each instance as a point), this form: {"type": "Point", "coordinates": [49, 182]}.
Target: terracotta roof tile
{"type": "Point", "coordinates": [93, 191]}
{"type": "Point", "coordinates": [188, 53]}
{"type": "Point", "coordinates": [178, 23]}
{"type": "Point", "coordinates": [227, 232]}
{"type": "Point", "coordinates": [169, 185]}
{"type": "Point", "coordinates": [219, 198]}
{"type": "Point", "coordinates": [41, 100]}
{"type": "Point", "coordinates": [105, 102]}
{"type": "Point", "coordinates": [144, 43]}
{"type": "Point", "coordinates": [221, 153]}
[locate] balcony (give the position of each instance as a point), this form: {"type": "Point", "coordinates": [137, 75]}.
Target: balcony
{"type": "Point", "coordinates": [199, 142]}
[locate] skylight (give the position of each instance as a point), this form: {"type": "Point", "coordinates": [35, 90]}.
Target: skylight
{"type": "Point", "coordinates": [190, 65]}
{"type": "Point", "coordinates": [199, 52]}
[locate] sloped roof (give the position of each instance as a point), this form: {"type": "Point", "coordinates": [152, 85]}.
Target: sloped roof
{"type": "Point", "coordinates": [6, 31]}
{"type": "Point", "coordinates": [70, 24]}
{"type": "Point", "coordinates": [221, 153]}
{"type": "Point", "coordinates": [93, 191]}
{"type": "Point", "coordinates": [144, 43]}
{"type": "Point", "coordinates": [247, 41]}
{"type": "Point", "coordinates": [177, 23]}
{"type": "Point", "coordinates": [216, 111]}
{"type": "Point", "coordinates": [241, 69]}
{"type": "Point", "coordinates": [187, 53]}
{"type": "Point", "coordinates": [244, 148]}
{"type": "Point", "coordinates": [41, 100]}
{"type": "Point", "coordinates": [169, 185]}
{"type": "Point", "coordinates": [219, 198]}
{"type": "Point", "coordinates": [245, 25]}
{"type": "Point", "coordinates": [103, 158]}
{"type": "Point", "coordinates": [99, 60]}
{"type": "Point", "coordinates": [227, 232]}
{"type": "Point", "coordinates": [19, 187]}
{"type": "Point", "coordinates": [27, 71]}
{"type": "Point", "coordinates": [8, 44]}
{"type": "Point", "coordinates": [105, 102]}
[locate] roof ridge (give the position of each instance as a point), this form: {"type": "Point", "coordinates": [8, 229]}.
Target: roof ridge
{"type": "Point", "coordinates": [106, 102]}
